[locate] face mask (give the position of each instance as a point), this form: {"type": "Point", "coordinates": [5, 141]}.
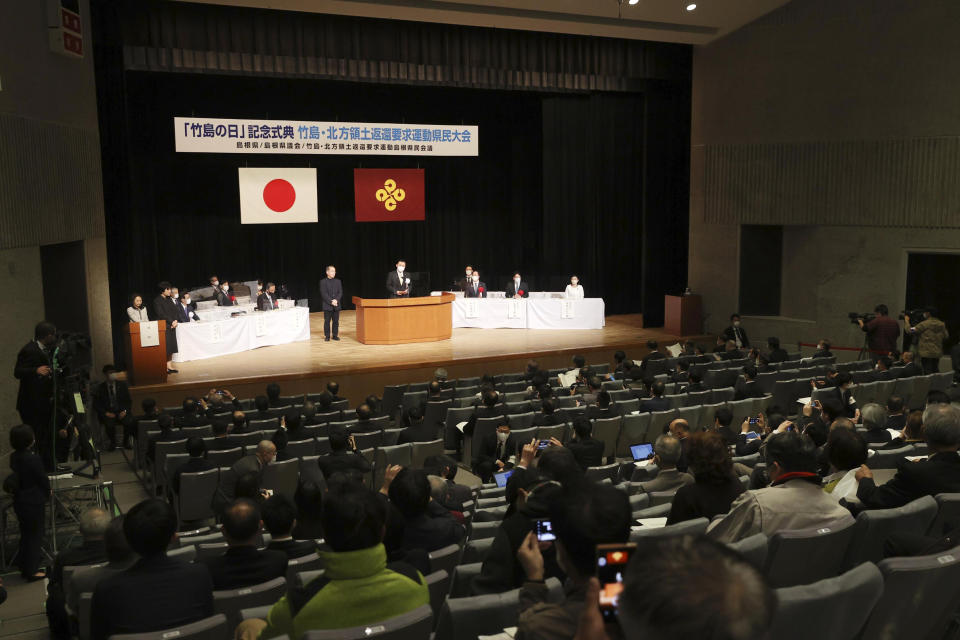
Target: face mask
{"type": "Point", "coordinates": [112, 377]}
{"type": "Point", "coordinates": [476, 278]}
{"type": "Point", "coordinates": [259, 288]}
{"type": "Point", "coordinates": [216, 283]}
{"type": "Point", "coordinates": [502, 436]}
{"type": "Point", "coordinates": [574, 282]}
{"type": "Point", "coordinates": [400, 269]}
{"type": "Point", "coordinates": [175, 296]}
{"type": "Point", "coordinates": [516, 280]}
{"type": "Point", "coordinates": [186, 301]}
{"type": "Point", "coordinates": [225, 287]}
{"type": "Point", "coordinates": [736, 323]}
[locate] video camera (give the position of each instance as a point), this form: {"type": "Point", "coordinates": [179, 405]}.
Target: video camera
{"type": "Point", "coordinates": [913, 313]}
{"type": "Point", "coordinates": [856, 317]}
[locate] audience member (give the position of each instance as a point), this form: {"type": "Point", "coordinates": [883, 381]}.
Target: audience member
{"type": "Point", "coordinates": [846, 450]}
{"type": "Point", "coordinates": [716, 486]}
{"type": "Point", "coordinates": [823, 349]}
{"type": "Point", "coordinates": [722, 424]}
{"type": "Point", "coordinates": [157, 592]}
{"type": "Point", "coordinates": [344, 456]}
{"type": "Point", "coordinates": [273, 395]}
{"type": "Point", "coordinates": [167, 434]}
{"type": "Point", "coordinates": [93, 525]}
{"type": "Point", "coordinates": [113, 405]}
{"type": "Point", "coordinates": [776, 353]}
{"type": "Point", "coordinates": [279, 519]}
{"type": "Point", "coordinates": [896, 414]}
{"type": "Point", "coordinates": [680, 429]}
{"type": "Point", "coordinates": [547, 416]}
{"type": "Point", "coordinates": [656, 401]}
{"type": "Point", "coordinates": [694, 383]}
{"type": "Point", "coordinates": [912, 432]}
{"type": "Point", "coordinates": [427, 524]}
{"type": "Point", "coordinates": [735, 333]}
{"type": "Point", "coordinates": [874, 419]}
{"type": "Point", "coordinates": [589, 516]}
{"type": "Point", "coordinates": [939, 473]}
{"type": "Point", "coordinates": [30, 487]}
{"type": "Point", "coordinates": [497, 451]}
{"type": "Point", "coordinates": [243, 565]}
{"type": "Point", "coordinates": [746, 386]}
{"type": "Point", "coordinates": [685, 587]}
{"type": "Point", "coordinates": [453, 495]}
{"type": "Point", "coordinates": [417, 429]}
{"type": "Point", "coordinates": [358, 586]}
{"type": "Point", "coordinates": [192, 415]}
{"type": "Point", "coordinates": [794, 499]}
{"type": "Point", "coordinates": [601, 409]}
{"type": "Point", "coordinates": [667, 450]}
{"type": "Point", "coordinates": [333, 388]}
{"type": "Point", "coordinates": [119, 558]}
{"type": "Point", "coordinates": [587, 450]}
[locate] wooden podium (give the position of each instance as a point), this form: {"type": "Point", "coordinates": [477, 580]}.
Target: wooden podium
{"type": "Point", "coordinates": [145, 365]}
{"type": "Point", "coordinates": [682, 315]}
{"type": "Point", "coordinates": [404, 320]}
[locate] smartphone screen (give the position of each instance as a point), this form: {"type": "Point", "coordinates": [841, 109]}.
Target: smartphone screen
{"type": "Point", "coordinates": [612, 562]}
{"type": "Point", "coordinates": [543, 445]}
{"type": "Point", "coordinates": [752, 435]}
{"type": "Point", "coordinates": [754, 420]}
{"type": "Point", "coordinates": [544, 530]}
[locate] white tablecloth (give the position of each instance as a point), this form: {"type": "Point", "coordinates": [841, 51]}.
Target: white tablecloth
{"type": "Point", "coordinates": [529, 313]}
{"type": "Point", "coordinates": [198, 340]}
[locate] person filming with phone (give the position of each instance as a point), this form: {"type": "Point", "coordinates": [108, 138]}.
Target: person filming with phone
{"type": "Point", "coordinates": [590, 515]}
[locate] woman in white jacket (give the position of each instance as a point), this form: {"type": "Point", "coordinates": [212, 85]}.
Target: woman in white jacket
{"type": "Point", "coordinates": [574, 290]}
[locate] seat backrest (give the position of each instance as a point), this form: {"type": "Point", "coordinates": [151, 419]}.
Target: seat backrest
{"type": "Point", "coordinates": [639, 501]}
{"type": "Point", "coordinates": [462, 579]}
{"type": "Point", "coordinates": [230, 602]}
{"type": "Point", "coordinates": [282, 477]}
{"type": "Point", "coordinates": [438, 582]}
{"type": "Point", "coordinates": [607, 430]}
{"type": "Point", "coordinates": [212, 628]}
{"type": "Point", "coordinates": [475, 551]}
{"type": "Point", "coordinates": [598, 474]}
{"type": "Point", "coordinates": [831, 608]}
{"type": "Point", "coordinates": [692, 414]}
{"type": "Point", "coordinates": [196, 495]}
{"type": "Point", "coordinates": [633, 430]}
{"type": "Point", "coordinates": [420, 451]}
{"type": "Point", "coordinates": [693, 527]}
{"type": "Point", "coordinates": [466, 618]}
{"type": "Point", "coordinates": [658, 421]}
{"type": "Point", "coordinates": [445, 559]}
{"type": "Point", "coordinates": [392, 395]}
{"type": "Point", "coordinates": [806, 555]}
{"type": "Point", "coordinates": [753, 548]}
{"type": "Point", "coordinates": [874, 526]}
{"type": "Point", "coordinates": [932, 582]}
{"type": "Point", "coordinates": [481, 530]}
{"type": "Point", "coordinates": [413, 624]}
{"type": "Point", "coordinates": [557, 431]}
{"type": "Point", "coordinates": [948, 514]}
{"type": "Point", "coordinates": [888, 458]}
{"type": "Point", "coordinates": [301, 448]}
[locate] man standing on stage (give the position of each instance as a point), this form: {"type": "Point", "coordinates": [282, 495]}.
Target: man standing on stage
{"type": "Point", "coordinates": [467, 279]}
{"type": "Point", "coordinates": [34, 370]}
{"type": "Point", "coordinates": [518, 288]}
{"type": "Point", "coordinates": [331, 292]}
{"type": "Point", "coordinates": [398, 285]}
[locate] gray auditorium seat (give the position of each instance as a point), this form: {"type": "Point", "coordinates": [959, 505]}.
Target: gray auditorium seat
{"type": "Point", "coordinates": [445, 559]}
{"type": "Point", "coordinates": [212, 628]}
{"type": "Point", "coordinates": [753, 548]}
{"type": "Point", "coordinates": [687, 527]}
{"type": "Point", "coordinates": [874, 526]}
{"type": "Point", "coordinates": [476, 550]}
{"type": "Point", "coordinates": [413, 624]}
{"type": "Point", "coordinates": [466, 618]}
{"type": "Point", "coordinates": [230, 602]}
{"type": "Point", "coordinates": [803, 556]}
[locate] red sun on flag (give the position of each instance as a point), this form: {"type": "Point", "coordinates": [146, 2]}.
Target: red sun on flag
{"type": "Point", "coordinates": [279, 195]}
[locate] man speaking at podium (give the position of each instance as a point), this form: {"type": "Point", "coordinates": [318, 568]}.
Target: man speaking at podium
{"type": "Point", "coordinates": [398, 285]}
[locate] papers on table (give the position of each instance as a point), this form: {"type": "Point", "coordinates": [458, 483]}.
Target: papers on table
{"type": "Point", "coordinates": [650, 523]}
{"type": "Point", "coordinates": [462, 425]}
{"type": "Point", "coordinates": [894, 433]}
{"type": "Point", "coordinates": [675, 350]}
{"type": "Point", "coordinates": [568, 379]}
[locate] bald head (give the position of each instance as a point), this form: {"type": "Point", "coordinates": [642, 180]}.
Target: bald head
{"type": "Point", "coordinates": [679, 428]}
{"type": "Point", "coordinates": [94, 523]}
{"type": "Point", "coordinates": [266, 451]}
{"type": "Point", "coordinates": [843, 423]}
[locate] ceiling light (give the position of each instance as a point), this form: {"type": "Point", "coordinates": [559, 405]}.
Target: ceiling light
{"type": "Point", "coordinates": [691, 6]}
{"type": "Point", "coordinates": [632, 1]}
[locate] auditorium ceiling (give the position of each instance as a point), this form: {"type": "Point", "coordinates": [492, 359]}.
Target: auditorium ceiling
{"type": "Point", "coordinates": [659, 20]}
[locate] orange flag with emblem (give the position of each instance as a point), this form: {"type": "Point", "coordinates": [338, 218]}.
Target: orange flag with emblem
{"type": "Point", "coordinates": [387, 195]}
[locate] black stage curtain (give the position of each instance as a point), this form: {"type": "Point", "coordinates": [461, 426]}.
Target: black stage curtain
{"type": "Point", "coordinates": [587, 183]}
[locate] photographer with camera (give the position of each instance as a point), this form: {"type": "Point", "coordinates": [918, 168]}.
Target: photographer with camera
{"type": "Point", "coordinates": [34, 370]}
{"type": "Point", "coordinates": [931, 332]}
{"type": "Point", "coordinates": [882, 332]}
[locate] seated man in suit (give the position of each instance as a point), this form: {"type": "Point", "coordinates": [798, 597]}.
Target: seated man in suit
{"type": "Point", "coordinates": [119, 558]}
{"type": "Point", "coordinates": [344, 457]}
{"type": "Point", "coordinates": [157, 592]}
{"type": "Point", "coordinates": [881, 370]}
{"type": "Point", "coordinates": [253, 463]}
{"type": "Point", "coordinates": [910, 368]}
{"type": "Point", "coordinates": [547, 416]}
{"type": "Point", "coordinates": [731, 352]}
{"type": "Point", "coordinates": [939, 473]}
{"type": "Point", "coordinates": [475, 288]}
{"type": "Point", "coordinates": [267, 300]}
{"type": "Point", "coordinates": [167, 434]}
{"type": "Point", "coordinates": [912, 432]}
{"type": "Point", "coordinates": [896, 416]}
{"type": "Point", "coordinates": [735, 333]}
{"type": "Point", "coordinates": [243, 565]}
{"type": "Point", "coordinates": [585, 448]}
{"type": "Point", "coordinates": [93, 526]}
{"type": "Point", "coordinates": [645, 368]}
{"type": "Point", "coordinates": [775, 353]}
{"type": "Point", "coordinates": [723, 424]}
{"type": "Point", "coordinates": [602, 408]}
{"type": "Point", "coordinates": [359, 586]}
{"type": "Point", "coordinates": [680, 429]}
{"type": "Point", "coordinates": [292, 422]}
{"type": "Point", "coordinates": [497, 451]}
{"type": "Point", "coordinates": [221, 440]}
{"type": "Point", "coordinates": [273, 395]}
{"type": "Point", "coordinates": [874, 418]}
{"type": "Point", "coordinates": [490, 408]}
{"type": "Point", "coordinates": [186, 311]}
{"type": "Point", "coordinates": [594, 385]}
{"type": "Point", "coordinates": [279, 518]}
{"type": "Point", "coordinates": [224, 297]}
{"type": "Point", "coordinates": [694, 383]}
{"type": "Point", "coordinates": [364, 417]}
{"type": "Point", "coordinates": [309, 412]}
{"type": "Point", "coordinates": [197, 450]}
{"type": "Point", "coordinates": [746, 387]}
{"type": "Point", "coordinates": [453, 495]}
{"type": "Point", "coordinates": [517, 287]}
{"type": "Point", "coordinates": [192, 415]}
{"type": "Point", "coordinates": [666, 453]}
{"type": "Point", "coordinates": [334, 389]}
{"type": "Point", "coordinates": [112, 402]}
{"type": "Point", "coordinates": [427, 525]}
{"type": "Point", "coordinates": [656, 401]}
{"type": "Point", "coordinates": [261, 408]}
{"type": "Point", "coordinates": [823, 349]}
{"type": "Point", "coordinates": [417, 429]}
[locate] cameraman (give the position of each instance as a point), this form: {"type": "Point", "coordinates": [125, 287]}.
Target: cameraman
{"type": "Point", "coordinates": [931, 332]}
{"type": "Point", "coordinates": [882, 332]}
{"type": "Point", "coordinates": [34, 370]}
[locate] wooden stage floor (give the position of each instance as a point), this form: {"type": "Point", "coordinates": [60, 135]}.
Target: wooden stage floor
{"type": "Point", "coordinates": [363, 369]}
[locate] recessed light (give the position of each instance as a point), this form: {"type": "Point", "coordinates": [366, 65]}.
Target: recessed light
{"type": "Point", "coordinates": [691, 6]}
{"type": "Point", "coordinates": [633, 1]}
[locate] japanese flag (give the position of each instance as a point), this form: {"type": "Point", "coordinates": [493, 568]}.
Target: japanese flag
{"type": "Point", "coordinates": [269, 196]}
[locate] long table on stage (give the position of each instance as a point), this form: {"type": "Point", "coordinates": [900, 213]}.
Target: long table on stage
{"type": "Point", "coordinates": [528, 313]}
{"type": "Point", "coordinates": [198, 340]}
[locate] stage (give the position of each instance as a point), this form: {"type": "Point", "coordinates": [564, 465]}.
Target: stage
{"type": "Point", "coordinates": [364, 369]}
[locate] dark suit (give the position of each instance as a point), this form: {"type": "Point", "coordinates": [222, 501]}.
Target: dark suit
{"type": "Point", "coordinates": [653, 355]}
{"type": "Point", "coordinates": [222, 443]}
{"type": "Point", "coordinates": [243, 567]}
{"type": "Point", "coordinates": [293, 548]}
{"type": "Point", "coordinates": [28, 504]}
{"type": "Point", "coordinates": [694, 387]}
{"type": "Point", "coordinates": [91, 552]}
{"type": "Point", "coordinates": [267, 301]}
{"type": "Point", "coordinates": [589, 452]}
{"type": "Point", "coordinates": [512, 289]}
{"type": "Point", "coordinates": [185, 314]}
{"type": "Point", "coordinates": [419, 432]}
{"type": "Point", "coordinates": [352, 464]}
{"type": "Point", "coordinates": [224, 299]}
{"type": "Point", "coordinates": [165, 309]}
{"type": "Point", "coordinates": [394, 284]}
{"type": "Point", "coordinates": [655, 404]}
{"type": "Point", "coordinates": [331, 289]}
{"type": "Point", "coordinates": [731, 333]}
{"type": "Point", "coordinates": [547, 420]}
{"type": "Point", "coordinates": [478, 291]}
{"type": "Point", "coordinates": [454, 495]}
{"type": "Point", "coordinates": [595, 412]}
{"type": "Point", "coordinates": [155, 593]}
{"type": "Point", "coordinates": [490, 452]}
{"type": "Point", "coordinates": [940, 473]}
{"type": "Point", "coordinates": [896, 421]}
{"type": "Point", "coordinates": [432, 530]}
{"type": "Point", "coordinates": [119, 400]}
{"type": "Point", "coordinates": [777, 355]}
{"type": "Point", "coordinates": [35, 397]}
{"type": "Point", "coordinates": [746, 389]}
{"type": "Point", "coordinates": [910, 370]}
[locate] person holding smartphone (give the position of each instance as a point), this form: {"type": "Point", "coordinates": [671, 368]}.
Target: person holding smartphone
{"type": "Point", "coordinates": [589, 516]}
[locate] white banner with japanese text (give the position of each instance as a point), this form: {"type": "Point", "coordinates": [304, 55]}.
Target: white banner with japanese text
{"type": "Point", "coordinates": [229, 135]}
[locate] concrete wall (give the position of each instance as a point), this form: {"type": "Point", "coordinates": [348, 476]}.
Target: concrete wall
{"type": "Point", "coordinates": [50, 180]}
{"type": "Point", "coordinates": [786, 112]}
